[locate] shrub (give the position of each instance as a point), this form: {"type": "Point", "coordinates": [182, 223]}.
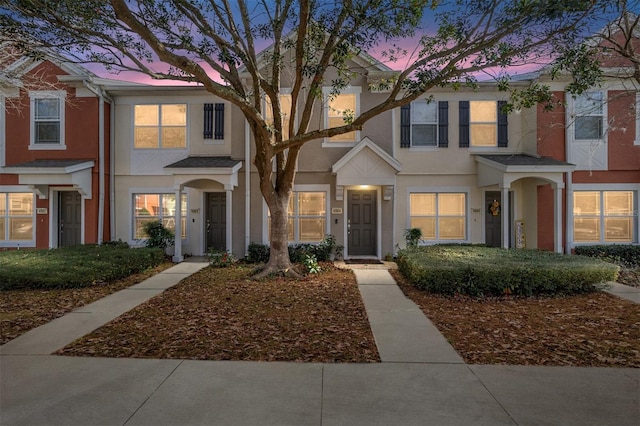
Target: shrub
{"type": "Point", "coordinates": [158, 235]}
{"type": "Point", "coordinates": [258, 253]}
{"type": "Point", "coordinates": [412, 236]}
{"type": "Point", "coordinates": [72, 267]}
{"type": "Point", "coordinates": [623, 254]}
{"type": "Point", "coordinates": [220, 258]}
{"type": "Point", "coordinates": [486, 271]}
{"type": "Point", "coordinates": [311, 264]}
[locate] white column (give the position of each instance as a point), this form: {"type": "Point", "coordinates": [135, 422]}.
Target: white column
{"type": "Point", "coordinates": [177, 254]}
{"type": "Point", "coordinates": [505, 217]}
{"type": "Point", "coordinates": [229, 212]}
{"type": "Point", "coordinates": [557, 218]}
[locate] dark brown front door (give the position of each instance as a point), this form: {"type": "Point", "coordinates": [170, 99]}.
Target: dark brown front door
{"type": "Point", "coordinates": [361, 224]}
{"type": "Point", "coordinates": [70, 218]}
{"type": "Point", "coordinates": [493, 218]}
{"type": "Point", "coordinates": [216, 220]}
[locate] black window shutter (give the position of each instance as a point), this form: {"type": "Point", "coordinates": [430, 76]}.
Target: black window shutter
{"type": "Point", "coordinates": [443, 124]}
{"type": "Point", "coordinates": [219, 121]}
{"type": "Point", "coordinates": [208, 121]}
{"type": "Point", "coordinates": [405, 126]}
{"type": "Point", "coordinates": [463, 108]}
{"type": "Point", "coordinates": [503, 138]}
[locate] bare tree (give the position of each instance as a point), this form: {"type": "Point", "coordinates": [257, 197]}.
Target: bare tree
{"type": "Point", "coordinates": [445, 42]}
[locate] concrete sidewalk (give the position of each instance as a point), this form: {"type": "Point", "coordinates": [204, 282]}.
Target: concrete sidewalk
{"type": "Point", "coordinates": [420, 381]}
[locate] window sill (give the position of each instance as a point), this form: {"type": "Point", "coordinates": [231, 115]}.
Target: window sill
{"type": "Point", "coordinates": [424, 148]}
{"type": "Point", "coordinates": [47, 147]}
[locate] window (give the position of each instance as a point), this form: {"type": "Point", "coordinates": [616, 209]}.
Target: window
{"type": "Point", "coordinates": [424, 123]}
{"type": "Point", "coordinates": [589, 114]}
{"type": "Point", "coordinates": [339, 108]}
{"type": "Point", "coordinates": [440, 216]}
{"type": "Point", "coordinates": [160, 126]}
{"type": "Point", "coordinates": [307, 216]}
{"type": "Point", "coordinates": [483, 121]}
{"type": "Point", "coordinates": [285, 109]}
{"type": "Point", "coordinates": [483, 124]}
{"type": "Point", "coordinates": [47, 119]}
{"type": "Point", "coordinates": [603, 216]}
{"type": "Point", "coordinates": [157, 207]}
{"type": "Point", "coordinates": [16, 216]}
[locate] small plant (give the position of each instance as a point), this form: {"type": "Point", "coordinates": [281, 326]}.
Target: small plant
{"type": "Point", "coordinates": [311, 263]}
{"type": "Point", "coordinates": [329, 249]}
{"type": "Point", "coordinates": [159, 235]}
{"type": "Point", "coordinates": [220, 258]}
{"type": "Point", "coordinates": [412, 236]}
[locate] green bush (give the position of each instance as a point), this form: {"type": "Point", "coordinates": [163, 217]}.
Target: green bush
{"type": "Point", "coordinates": [487, 271]}
{"type": "Point", "coordinates": [158, 235]}
{"type": "Point", "coordinates": [622, 254]}
{"type": "Point", "coordinates": [258, 253]}
{"type": "Point", "coordinates": [72, 267]}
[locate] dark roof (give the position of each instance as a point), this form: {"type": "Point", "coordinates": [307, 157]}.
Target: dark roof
{"type": "Point", "coordinates": [204, 162]}
{"type": "Point", "coordinates": [50, 163]}
{"type": "Point", "coordinates": [523, 160]}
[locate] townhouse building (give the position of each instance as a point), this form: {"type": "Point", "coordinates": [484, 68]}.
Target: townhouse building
{"type": "Point", "coordinates": [451, 163]}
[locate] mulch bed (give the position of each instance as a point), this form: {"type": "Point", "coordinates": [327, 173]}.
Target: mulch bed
{"type": "Point", "coordinates": [591, 330]}
{"type": "Point", "coordinates": [22, 310]}
{"type": "Point", "coordinates": [221, 314]}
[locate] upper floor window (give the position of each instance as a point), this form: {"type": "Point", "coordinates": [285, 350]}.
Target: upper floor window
{"type": "Point", "coordinates": [603, 216]}
{"type": "Point", "coordinates": [424, 124]}
{"type": "Point", "coordinates": [47, 119]}
{"type": "Point", "coordinates": [285, 110]}
{"type": "Point", "coordinates": [589, 116]}
{"type": "Point", "coordinates": [483, 124]}
{"type": "Point", "coordinates": [160, 126]}
{"type": "Point", "coordinates": [440, 216]}
{"type": "Point", "coordinates": [16, 216]}
{"type": "Point", "coordinates": [340, 110]}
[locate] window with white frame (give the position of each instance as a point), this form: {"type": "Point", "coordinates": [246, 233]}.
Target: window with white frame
{"type": "Point", "coordinates": [604, 216]}
{"type": "Point", "coordinates": [307, 216]}
{"type": "Point", "coordinates": [157, 207]}
{"type": "Point", "coordinates": [424, 123]}
{"type": "Point", "coordinates": [589, 116]}
{"type": "Point", "coordinates": [441, 216]}
{"type": "Point", "coordinates": [341, 109]}
{"type": "Point", "coordinates": [285, 109]}
{"type": "Point", "coordinates": [483, 123]}
{"type": "Point", "coordinates": [160, 126]}
{"type": "Point", "coordinates": [47, 119]}
{"type": "Point", "coordinates": [16, 216]}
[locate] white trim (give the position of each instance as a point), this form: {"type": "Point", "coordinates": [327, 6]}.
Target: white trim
{"type": "Point", "coordinates": [378, 219]}
{"type": "Point", "coordinates": [20, 243]}
{"type": "Point", "coordinates": [54, 207]}
{"type": "Point", "coordinates": [60, 95]}
{"type": "Point", "coordinates": [443, 190]}
{"type": "Point", "coordinates": [593, 145]}
{"type": "Point", "coordinates": [355, 90]}
{"type": "Point", "coordinates": [637, 138]}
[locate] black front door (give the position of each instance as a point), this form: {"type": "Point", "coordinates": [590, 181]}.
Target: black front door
{"type": "Point", "coordinates": [216, 220]}
{"type": "Point", "coordinates": [70, 218]}
{"type": "Point", "coordinates": [493, 218]}
{"type": "Point", "coordinates": [361, 223]}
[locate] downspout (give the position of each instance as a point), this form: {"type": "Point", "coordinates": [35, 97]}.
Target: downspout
{"type": "Point", "coordinates": [568, 217]}
{"type": "Point", "coordinates": [247, 186]}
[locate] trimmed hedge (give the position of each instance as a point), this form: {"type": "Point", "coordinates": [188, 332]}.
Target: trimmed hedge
{"type": "Point", "coordinates": [487, 271]}
{"type": "Point", "coordinates": [73, 267]}
{"type": "Point", "coordinates": [259, 253]}
{"type": "Point", "coordinates": [625, 254]}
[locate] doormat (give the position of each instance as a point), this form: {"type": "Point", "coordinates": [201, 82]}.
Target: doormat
{"type": "Point", "coordinates": [363, 262]}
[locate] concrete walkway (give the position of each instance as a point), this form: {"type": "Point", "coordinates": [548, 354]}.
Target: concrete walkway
{"type": "Point", "coordinates": [624, 291]}
{"type": "Point", "coordinates": [421, 381]}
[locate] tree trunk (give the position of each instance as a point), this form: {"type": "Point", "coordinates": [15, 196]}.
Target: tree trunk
{"type": "Point", "coordinates": [279, 261]}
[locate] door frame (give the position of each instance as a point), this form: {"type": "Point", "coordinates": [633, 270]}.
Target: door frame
{"type": "Point", "coordinates": [54, 216]}
{"type": "Point", "coordinates": [203, 220]}
{"type": "Point", "coordinates": [510, 214]}
{"type": "Point", "coordinates": [345, 218]}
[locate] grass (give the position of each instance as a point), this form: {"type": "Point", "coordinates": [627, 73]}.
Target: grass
{"type": "Point", "coordinates": [73, 267]}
